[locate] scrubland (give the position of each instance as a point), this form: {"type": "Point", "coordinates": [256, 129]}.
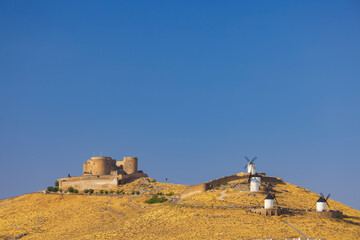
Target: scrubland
{"type": "Point", "coordinates": [55, 216]}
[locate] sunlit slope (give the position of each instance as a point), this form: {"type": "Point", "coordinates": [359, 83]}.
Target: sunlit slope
{"type": "Point", "coordinates": [49, 216]}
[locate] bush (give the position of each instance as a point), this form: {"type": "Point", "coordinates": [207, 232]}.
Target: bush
{"type": "Point", "coordinates": [52, 189]}
{"type": "Point", "coordinates": [225, 183]}
{"type": "Point", "coordinates": [112, 191]}
{"type": "Point", "coordinates": [118, 191]}
{"type": "Point", "coordinates": [170, 194]}
{"type": "Point", "coordinates": [156, 199]}
{"type": "Point", "coordinates": [57, 184]}
{"type": "Point", "coordinates": [137, 192]}
{"type": "Point", "coordinates": [106, 192]}
{"type": "Point", "coordinates": [60, 190]}
{"type": "Point", "coordinates": [91, 191]}
{"type": "Point", "coordinates": [76, 191]}
{"type": "Point", "coordinates": [86, 190]}
{"type": "Point", "coordinates": [159, 193]}
{"type": "Point", "coordinates": [101, 191]}
{"type": "Point", "coordinates": [71, 189]}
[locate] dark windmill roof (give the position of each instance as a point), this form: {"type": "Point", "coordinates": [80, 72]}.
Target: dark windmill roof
{"type": "Point", "coordinates": [321, 199]}
{"type": "Point", "coordinates": [269, 197]}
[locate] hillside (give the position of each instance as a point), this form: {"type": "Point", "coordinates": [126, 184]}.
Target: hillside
{"type": "Point", "coordinates": [55, 216]}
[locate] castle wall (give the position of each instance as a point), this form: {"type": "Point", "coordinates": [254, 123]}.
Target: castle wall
{"type": "Point", "coordinates": [89, 182]}
{"type": "Point", "coordinates": [100, 165]}
{"type": "Point", "coordinates": [97, 182]}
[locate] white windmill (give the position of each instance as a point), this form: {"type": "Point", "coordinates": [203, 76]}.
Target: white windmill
{"type": "Point", "coordinates": [250, 165]}
{"type": "Point", "coordinates": [321, 203]}
{"type": "Point", "coordinates": [269, 201]}
{"type": "Point", "coordinates": [255, 182]}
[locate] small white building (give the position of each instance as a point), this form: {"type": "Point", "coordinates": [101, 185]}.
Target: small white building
{"type": "Point", "coordinates": [251, 168]}
{"type": "Point", "coordinates": [254, 185]}
{"type": "Point", "coordinates": [321, 204]}
{"type": "Point", "coordinates": [269, 202]}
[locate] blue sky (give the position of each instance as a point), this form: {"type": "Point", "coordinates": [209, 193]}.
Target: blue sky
{"type": "Point", "coordinates": [189, 87]}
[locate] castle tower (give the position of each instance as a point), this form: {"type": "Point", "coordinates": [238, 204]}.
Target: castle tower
{"type": "Point", "coordinates": [130, 165]}
{"type": "Point", "coordinates": [99, 165]}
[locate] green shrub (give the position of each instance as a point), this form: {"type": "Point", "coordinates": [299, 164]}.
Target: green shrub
{"type": "Point", "coordinates": [156, 199]}
{"type": "Point", "coordinates": [60, 190]}
{"type": "Point", "coordinates": [57, 184]}
{"type": "Point", "coordinates": [137, 192]}
{"type": "Point", "coordinates": [86, 190]}
{"type": "Point", "coordinates": [52, 189]}
{"type": "Point", "coordinates": [118, 191]}
{"type": "Point", "coordinates": [101, 191]}
{"type": "Point", "coordinates": [106, 192]}
{"type": "Point", "coordinates": [122, 193]}
{"type": "Point", "coordinates": [91, 191]}
{"type": "Point", "coordinates": [160, 193]}
{"type": "Point", "coordinates": [225, 183]}
{"type": "Point", "coordinates": [112, 191]}
{"type": "Point", "coordinates": [170, 194]}
{"type": "Point", "coordinates": [71, 189]}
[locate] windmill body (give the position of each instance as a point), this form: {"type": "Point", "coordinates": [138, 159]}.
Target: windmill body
{"type": "Point", "coordinates": [251, 165]}
{"type": "Point", "coordinates": [251, 168]}
{"type": "Point", "coordinates": [321, 205]}
{"type": "Point", "coordinates": [269, 202]}
{"type": "Point", "coordinates": [254, 185]}
{"type": "Point", "coordinates": [257, 177]}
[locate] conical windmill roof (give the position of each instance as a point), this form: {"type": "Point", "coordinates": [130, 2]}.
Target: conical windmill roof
{"type": "Point", "coordinates": [321, 199]}
{"type": "Point", "coordinates": [269, 197]}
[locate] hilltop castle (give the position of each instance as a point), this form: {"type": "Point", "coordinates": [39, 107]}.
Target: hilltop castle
{"type": "Point", "coordinates": [102, 173]}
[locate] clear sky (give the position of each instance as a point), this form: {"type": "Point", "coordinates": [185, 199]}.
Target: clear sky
{"type": "Point", "coordinates": [189, 87]}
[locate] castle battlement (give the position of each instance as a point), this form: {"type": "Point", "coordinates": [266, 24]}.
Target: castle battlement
{"type": "Point", "coordinates": [104, 172]}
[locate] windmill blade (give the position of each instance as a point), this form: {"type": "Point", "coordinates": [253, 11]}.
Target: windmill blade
{"type": "Point", "coordinates": [249, 177]}
{"type": "Point", "coordinates": [247, 158]}
{"type": "Point", "coordinates": [276, 199]}
{"type": "Point", "coordinates": [327, 197]}
{"type": "Point", "coordinates": [245, 166]}
{"type": "Point", "coordinates": [253, 160]}
{"type": "Point", "coordinates": [327, 204]}
{"type": "Point", "coordinates": [321, 194]}
{"type": "Point", "coordinates": [312, 206]}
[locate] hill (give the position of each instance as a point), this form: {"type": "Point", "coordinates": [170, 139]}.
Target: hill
{"type": "Point", "coordinates": [200, 216]}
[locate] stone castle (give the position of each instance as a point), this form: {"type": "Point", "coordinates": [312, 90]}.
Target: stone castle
{"type": "Point", "coordinates": [102, 173]}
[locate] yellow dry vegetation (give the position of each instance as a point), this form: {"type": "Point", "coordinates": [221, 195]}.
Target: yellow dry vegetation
{"type": "Point", "coordinates": [52, 216]}
{"type": "Point", "coordinates": [164, 188]}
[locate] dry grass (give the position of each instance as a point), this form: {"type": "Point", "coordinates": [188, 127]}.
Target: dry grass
{"type": "Point", "coordinates": [50, 216]}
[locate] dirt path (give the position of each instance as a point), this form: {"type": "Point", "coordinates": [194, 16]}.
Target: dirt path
{"type": "Point", "coordinates": [223, 194]}
{"type": "Point", "coordinates": [300, 232]}
{"type": "Point", "coordinates": [174, 200]}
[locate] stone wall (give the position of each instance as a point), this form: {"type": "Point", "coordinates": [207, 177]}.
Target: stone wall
{"type": "Point", "coordinates": [220, 181]}
{"type": "Point", "coordinates": [97, 182]}
{"type": "Point", "coordinates": [330, 214]}
{"type": "Point", "coordinates": [198, 188]}
{"type": "Point", "coordinates": [88, 182]}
